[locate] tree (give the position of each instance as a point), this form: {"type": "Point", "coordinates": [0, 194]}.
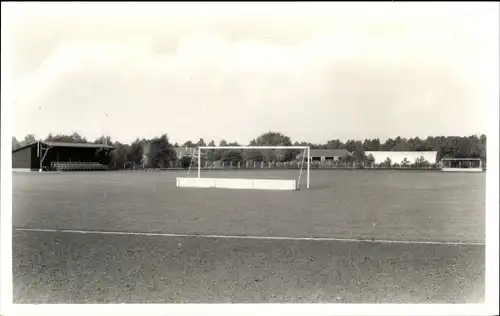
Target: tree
{"type": "Point", "coordinates": [61, 138]}
{"type": "Point", "coordinates": [350, 145]}
{"type": "Point", "coordinates": [482, 147]}
{"type": "Point", "coordinates": [136, 150]}
{"type": "Point", "coordinates": [15, 143]}
{"type": "Point", "coordinates": [212, 154]}
{"type": "Point", "coordinates": [465, 148]}
{"type": "Point", "coordinates": [201, 142]}
{"type": "Point", "coordinates": [73, 138]}
{"type": "Point", "coordinates": [229, 155]}
{"type": "Point", "coordinates": [399, 144]}
{"type": "Point", "coordinates": [275, 139]}
{"type": "Point", "coordinates": [475, 150]}
{"type": "Point", "coordinates": [371, 144]}
{"type": "Point", "coordinates": [104, 140]}
{"type": "Point", "coordinates": [387, 163]}
{"type": "Point", "coordinates": [28, 139]}
{"type": "Point", "coordinates": [186, 161]}
{"type": "Point", "coordinates": [405, 162]}
{"type": "Point", "coordinates": [334, 144]}
{"type": "Point", "coordinates": [375, 146]}
{"type": "Point", "coordinates": [301, 144]}
{"type": "Point", "coordinates": [359, 153]}
{"type": "Point", "coordinates": [219, 153]}
{"type": "Point", "coordinates": [388, 145]}
{"type": "Point", "coordinates": [420, 162]}
{"type": "Point", "coordinates": [252, 155]}
{"type": "Point", "coordinates": [370, 160]}
{"type": "Point", "coordinates": [448, 147]}
{"type": "Point", "coordinates": [159, 152]}
{"type": "Point", "coordinates": [432, 143]}
{"type": "Point", "coordinates": [223, 143]}
{"type": "Point", "coordinates": [119, 155]}
{"type": "Point", "coordinates": [416, 144]}
{"type": "Point", "coordinates": [232, 156]}
{"type": "Point", "coordinates": [77, 138]}
{"type": "Point", "coordinates": [348, 158]}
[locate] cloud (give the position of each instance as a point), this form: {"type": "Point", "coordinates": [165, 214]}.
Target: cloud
{"type": "Point", "coordinates": [380, 81]}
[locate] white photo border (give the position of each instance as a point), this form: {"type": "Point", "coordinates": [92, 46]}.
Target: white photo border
{"type": "Point", "coordinates": [490, 306]}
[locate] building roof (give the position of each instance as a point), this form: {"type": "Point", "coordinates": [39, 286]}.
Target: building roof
{"type": "Point", "coordinates": [328, 152]}
{"type": "Point", "coordinates": [79, 145]}
{"type": "Point", "coordinates": [67, 145]}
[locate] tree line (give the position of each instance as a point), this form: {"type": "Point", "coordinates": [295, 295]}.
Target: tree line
{"type": "Point", "coordinates": [160, 152]}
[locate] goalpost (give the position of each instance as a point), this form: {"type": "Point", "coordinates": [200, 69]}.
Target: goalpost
{"type": "Point", "coordinates": [246, 183]}
{"type": "Point", "coordinates": [462, 164]}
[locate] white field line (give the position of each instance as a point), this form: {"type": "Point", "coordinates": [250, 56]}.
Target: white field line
{"type": "Point", "coordinates": [375, 241]}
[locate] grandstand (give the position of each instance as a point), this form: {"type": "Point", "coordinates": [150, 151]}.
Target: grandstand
{"type": "Point", "coordinates": [60, 156]}
{"type": "Point", "coordinates": [77, 166]}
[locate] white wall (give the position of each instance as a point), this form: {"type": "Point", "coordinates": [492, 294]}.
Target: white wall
{"type": "Point", "coordinates": [230, 183]}
{"type": "Point", "coordinates": [399, 156]}
{"type": "Point", "coordinates": [21, 170]}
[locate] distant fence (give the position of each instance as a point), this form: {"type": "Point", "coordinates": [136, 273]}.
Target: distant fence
{"type": "Point", "coordinates": [261, 165]}
{"type": "Point", "coordinates": [297, 165]}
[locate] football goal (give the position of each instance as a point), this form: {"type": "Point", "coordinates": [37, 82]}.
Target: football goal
{"type": "Point", "coordinates": [248, 167]}
{"type": "Point", "coordinates": [462, 164]}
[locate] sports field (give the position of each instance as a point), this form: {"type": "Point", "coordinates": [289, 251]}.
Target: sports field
{"type": "Point", "coordinates": [215, 245]}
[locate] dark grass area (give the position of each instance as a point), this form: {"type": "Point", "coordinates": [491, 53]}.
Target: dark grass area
{"type": "Point", "coordinates": [356, 204]}
{"type": "Point", "coordinates": [75, 268]}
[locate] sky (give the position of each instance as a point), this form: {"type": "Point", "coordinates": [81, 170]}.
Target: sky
{"type": "Point", "coordinates": [313, 71]}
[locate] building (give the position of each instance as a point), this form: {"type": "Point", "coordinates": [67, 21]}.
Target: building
{"type": "Point", "coordinates": [61, 156]}
{"type": "Point", "coordinates": [399, 156]}
{"type": "Point", "coordinates": [323, 155]}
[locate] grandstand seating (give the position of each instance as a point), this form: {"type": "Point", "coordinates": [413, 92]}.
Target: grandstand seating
{"type": "Point", "coordinates": [78, 166]}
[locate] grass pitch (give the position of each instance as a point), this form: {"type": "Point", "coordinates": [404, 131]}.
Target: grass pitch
{"type": "Point", "coordinates": [357, 204]}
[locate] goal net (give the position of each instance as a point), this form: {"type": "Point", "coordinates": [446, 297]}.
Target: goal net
{"type": "Point", "coordinates": [248, 167]}
{"type": "Point", "coordinates": [462, 164]}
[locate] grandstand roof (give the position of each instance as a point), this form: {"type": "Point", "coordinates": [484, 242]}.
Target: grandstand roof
{"type": "Point", "coordinates": [66, 145]}
{"type": "Point", "coordinates": [84, 145]}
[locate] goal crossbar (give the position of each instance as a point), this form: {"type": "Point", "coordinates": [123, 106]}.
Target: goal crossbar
{"type": "Point", "coordinates": [246, 183]}
{"type": "Point", "coordinates": [253, 147]}
{"type": "Point", "coordinates": [461, 159]}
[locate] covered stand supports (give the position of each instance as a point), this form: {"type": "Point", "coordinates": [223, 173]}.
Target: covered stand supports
{"type": "Point", "coordinates": [41, 154]}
